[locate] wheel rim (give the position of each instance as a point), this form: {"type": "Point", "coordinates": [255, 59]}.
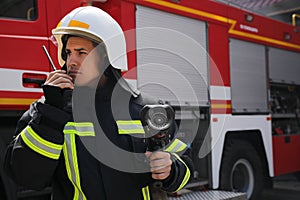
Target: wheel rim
{"type": "Point", "coordinates": [242, 177]}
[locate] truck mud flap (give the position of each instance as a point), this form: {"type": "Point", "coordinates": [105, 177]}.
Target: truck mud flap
{"type": "Point", "coordinates": [211, 195]}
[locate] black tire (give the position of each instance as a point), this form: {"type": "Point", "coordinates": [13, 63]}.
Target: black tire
{"type": "Point", "coordinates": [241, 169]}
{"type": "Point", "coordinates": [297, 176]}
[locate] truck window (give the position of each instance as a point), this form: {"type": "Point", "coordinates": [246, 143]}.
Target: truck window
{"type": "Point", "coordinates": [18, 9]}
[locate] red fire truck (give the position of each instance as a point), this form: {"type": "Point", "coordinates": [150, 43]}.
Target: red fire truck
{"type": "Point", "coordinates": [231, 75]}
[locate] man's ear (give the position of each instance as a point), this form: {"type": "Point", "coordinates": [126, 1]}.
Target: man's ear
{"type": "Point", "coordinates": [106, 61]}
{"type": "Point", "coordinates": [108, 72]}
{"type": "Point", "coordinates": [106, 65]}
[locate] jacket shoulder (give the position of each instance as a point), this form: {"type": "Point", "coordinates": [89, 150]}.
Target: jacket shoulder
{"type": "Point", "coordinates": [139, 101]}
{"type": "Point", "coordinates": [27, 116]}
{"type": "Point", "coordinates": [145, 99]}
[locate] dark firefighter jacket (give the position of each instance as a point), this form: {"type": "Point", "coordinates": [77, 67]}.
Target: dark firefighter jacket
{"type": "Point", "coordinates": [51, 149]}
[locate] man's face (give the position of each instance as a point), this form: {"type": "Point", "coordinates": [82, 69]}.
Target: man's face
{"type": "Point", "coordinates": [82, 61]}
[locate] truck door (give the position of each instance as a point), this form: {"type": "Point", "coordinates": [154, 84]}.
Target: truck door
{"type": "Point", "coordinates": [23, 31]}
{"type": "Point", "coordinates": [23, 67]}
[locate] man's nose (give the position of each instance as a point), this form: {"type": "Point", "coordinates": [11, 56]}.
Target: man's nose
{"type": "Point", "coordinates": [73, 60]}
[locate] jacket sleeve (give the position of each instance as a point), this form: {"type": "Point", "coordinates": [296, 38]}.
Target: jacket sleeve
{"type": "Point", "coordinates": [179, 176]}
{"type": "Point", "coordinates": [32, 156]}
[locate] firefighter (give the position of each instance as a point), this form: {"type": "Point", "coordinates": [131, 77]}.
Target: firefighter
{"type": "Point", "coordinates": [91, 148]}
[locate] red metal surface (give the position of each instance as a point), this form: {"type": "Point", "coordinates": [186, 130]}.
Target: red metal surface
{"type": "Point", "coordinates": [286, 151]}
{"type": "Point", "coordinates": [219, 55]}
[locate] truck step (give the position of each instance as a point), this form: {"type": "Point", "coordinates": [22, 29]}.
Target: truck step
{"type": "Point", "coordinates": [211, 195]}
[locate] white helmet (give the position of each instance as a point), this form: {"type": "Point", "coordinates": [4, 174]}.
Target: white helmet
{"type": "Point", "coordinates": [95, 24]}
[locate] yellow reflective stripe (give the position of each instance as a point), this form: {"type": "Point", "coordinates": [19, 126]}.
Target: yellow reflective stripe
{"type": "Point", "coordinates": [129, 122]}
{"type": "Point", "coordinates": [69, 171]}
{"type": "Point", "coordinates": [76, 168]}
{"type": "Point", "coordinates": [176, 146]}
{"type": "Point", "coordinates": [43, 141]}
{"type": "Point", "coordinates": [80, 124]}
{"type": "Point", "coordinates": [186, 176]}
{"type": "Point", "coordinates": [130, 127]}
{"type": "Point", "coordinates": [70, 131]}
{"type": "Point", "coordinates": [132, 131]}
{"type": "Point", "coordinates": [71, 161]}
{"type": "Point", "coordinates": [38, 150]}
{"type": "Point", "coordinates": [76, 23]}
{"type": "Point", "coordinates": [146, 193]}
{"type": "Point", "coordinates": [87, 133]}
{"type": "Point", "coordinates": [40, 145]}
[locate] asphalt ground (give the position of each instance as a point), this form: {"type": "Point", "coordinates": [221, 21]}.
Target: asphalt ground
{"type": "Point", "coordinates": [285, 187]}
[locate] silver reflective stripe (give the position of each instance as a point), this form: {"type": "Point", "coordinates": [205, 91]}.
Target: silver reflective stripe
{"type": "Point", "coordinates": [72, 165]}
{"type": "Point", "coordinates": [40, 145]}
{"type": "Point", "coordinates": [80, 128]}
{"type": "Point", "coordinates": [130, 127]}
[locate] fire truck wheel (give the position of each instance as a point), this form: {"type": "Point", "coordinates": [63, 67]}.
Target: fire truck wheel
{"type": "Point", "coordinates": [241, 169]}
{"type": "Point", "coordinates": [297, 175]}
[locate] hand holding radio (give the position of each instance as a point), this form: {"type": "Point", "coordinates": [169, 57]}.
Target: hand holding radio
{"type": "Point", "coordinates": [58, 97]}
{"type": "Point", "coordinates": [58, 87]}
{"type": "Point", "coordinates": [61, 79]}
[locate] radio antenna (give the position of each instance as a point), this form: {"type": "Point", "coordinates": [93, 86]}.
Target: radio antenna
{"type": "Point", "coordinates": [49, 58]}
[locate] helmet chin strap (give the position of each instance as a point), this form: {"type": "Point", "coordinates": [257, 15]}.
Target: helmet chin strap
{"type": "Point", "coordinates": [64, 67]}
{"type": "Point", "coordinates": [124, 83]}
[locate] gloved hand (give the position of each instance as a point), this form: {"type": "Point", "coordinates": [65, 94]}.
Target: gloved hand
{"type": "Point", "coordinates": [67, 100]}
{"type": "Point", "coordinates": [60, 98]}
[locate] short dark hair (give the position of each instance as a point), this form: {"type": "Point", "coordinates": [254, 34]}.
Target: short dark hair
{"type": "Point", "coordinates": [64, 40]}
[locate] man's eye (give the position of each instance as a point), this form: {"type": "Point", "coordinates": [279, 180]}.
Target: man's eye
{"type": "Point", "coordinates": [68, 52]}
{"type": "Point", "coordinates": [82, 52]}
